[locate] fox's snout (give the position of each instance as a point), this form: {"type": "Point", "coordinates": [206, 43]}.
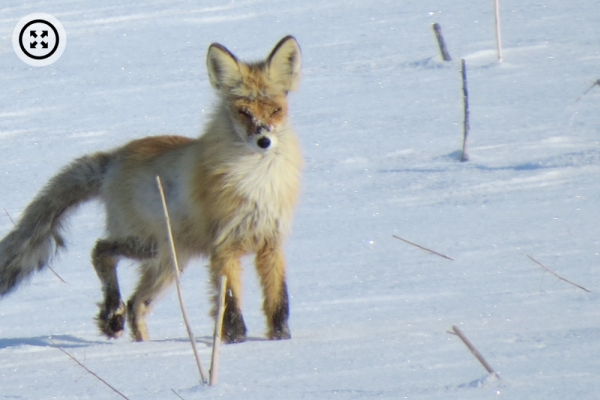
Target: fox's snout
{"type": "Point", "coordinates": [263, 141]}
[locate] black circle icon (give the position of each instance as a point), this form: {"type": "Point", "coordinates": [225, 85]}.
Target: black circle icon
{"type": "Point", "coordinates": [44, 40]}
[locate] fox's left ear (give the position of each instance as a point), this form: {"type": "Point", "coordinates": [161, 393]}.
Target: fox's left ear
{"type": "Point", "coordinates": [223, 68]}
{"type": "Point", "coordinates": [284, 63]}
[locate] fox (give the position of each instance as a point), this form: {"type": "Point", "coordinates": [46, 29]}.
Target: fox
{"type": "Point", "coordinates": [231, 192]}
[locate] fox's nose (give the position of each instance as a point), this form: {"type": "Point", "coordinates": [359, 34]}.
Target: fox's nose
{"type": "Point", "coordinates": [263, 142]}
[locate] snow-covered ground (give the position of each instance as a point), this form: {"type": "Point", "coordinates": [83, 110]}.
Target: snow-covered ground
{"type": "Point", "coordinates": [380, 120]}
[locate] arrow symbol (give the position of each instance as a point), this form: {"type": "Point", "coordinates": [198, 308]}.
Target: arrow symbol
{"type": "Point", "coordinates": [33, 45]}
{"type": "Point", "coordinates": [44, 45]}
{"type": "Point", "coordinates": [32, 34]}
{"type": "Point", "coordinates": [44, 34]}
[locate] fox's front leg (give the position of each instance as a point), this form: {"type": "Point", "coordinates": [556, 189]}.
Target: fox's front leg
{"type": "Point", "coordinates": [228, 264]}
{"type": "Point", "coordinates": [270, 264]}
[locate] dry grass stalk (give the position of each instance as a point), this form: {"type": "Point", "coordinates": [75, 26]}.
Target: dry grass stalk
{"type": "Point", "coordinates": [437, 29]}
{"type": "Point", "coordinates": [177, 283]}
{"type": "Point", "coordinates": [423, 248]}
{"type": "Point", "coordinates": [214, 364]}
{"type": "Point", "coordinates": [466, 124]}
{"type": "Point", "coordinates": [590, 88]}
{"type": "Point", "coordinates": [88, 370]}
{"type": "Point", "coordinates": [498, 33]}
{"type": "Point", "coordinates": [476, 353]}
{"type": "Point", "coordinates": [176, 394]}
{"type": "Point", "coordinates": [556, 275]}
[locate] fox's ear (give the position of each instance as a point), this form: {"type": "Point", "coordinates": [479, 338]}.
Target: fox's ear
{"type": "Point", "coordinates": [284, 63]}
{"type": "Point", "coordinates": [223, 68]}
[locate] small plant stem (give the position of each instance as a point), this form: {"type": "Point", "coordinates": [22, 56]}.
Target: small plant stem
{"type": "Point", "coordinates": [423, 248]}
{"type": "Point", "coordinates": [580, 97]}
{"type": "Point", "coordinates": [466, 125]}
{"type": "Point", "coordinates": [87, 369]}
{"type": "Point", "coordinates": [214, 364]}
{"type": "Point", "coordinates": [441, 42]}
{"type": "Point", "coordinates": [498, 33]}
{"type": "Point", "coordinates": [556, 275]}
{"type": "Point", "coordinates": [177, 283]}
{"type": "Point", "coordinates": [476, 353]}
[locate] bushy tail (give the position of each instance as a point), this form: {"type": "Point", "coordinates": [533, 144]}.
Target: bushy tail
{"type": "Point", "coordinates": [37, 236]}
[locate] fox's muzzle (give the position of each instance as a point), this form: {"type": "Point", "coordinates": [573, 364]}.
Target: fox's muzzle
{"type": "Point", "coordinates": [260, 130]}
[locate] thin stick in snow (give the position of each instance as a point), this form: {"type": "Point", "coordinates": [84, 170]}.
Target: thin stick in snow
{"type": "Point", "coordinates": [441, 43]}
{"type": "Point", "coordinates": [580, 97]}
{"type": "Point", "coordinates": [177, 394]}
{"type": "Point", "coordinates": [49, 267]}
{"type": "Point", "coordinates": [177, 283]}
{"type": "Point", "coordinates": [498, 34]}
{"type": "Point", "coordinates": [214, 363]}
{"type": "Point", "coordinates": [556, 275]}
{"type": "Point", "coordinates": [87, 369]}
{"type": "Point", "coordinates": [13, 222]}
{"type": "Point", "coordinates": [476, 353]}
{"type": "Point", "coordinates": [423, 248]}
{"type": "Point", "coordinates": [466, 126]}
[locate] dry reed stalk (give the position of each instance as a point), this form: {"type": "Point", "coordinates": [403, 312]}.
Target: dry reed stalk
{"type": "Point", "coordinates": [556, 275]}
{"type": "Point", "coordinates": [474, 351]}
{"type": "Point", "coordinates": [423, 248]}
{"type": "Point", "coordinates": [177, 283]}
{"type": "Point", "coordinates": [88, 370]}
{"type": "Point", "coordinates": [214, 364]}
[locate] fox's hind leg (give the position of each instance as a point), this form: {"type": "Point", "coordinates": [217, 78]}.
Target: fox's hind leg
{"type": "Point", "coordinates": [105, 257]}
{"type": "Point", "coordinates": [270, 264]}
{"type": "Point", "coordinates": [228, 264]}
{"type": "Point", "coordinates": [157, 275]}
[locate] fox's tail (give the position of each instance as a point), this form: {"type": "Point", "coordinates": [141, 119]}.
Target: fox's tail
{"type": "Point", "coordinates": [37, 236]}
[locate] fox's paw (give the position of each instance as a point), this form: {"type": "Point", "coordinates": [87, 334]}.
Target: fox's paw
{"type": "Point", "coordinates": [112, 322]}
{"type": "Point", "coordinates": [234, 328]}
{"type": "Point", "coordinates": [282, 333]}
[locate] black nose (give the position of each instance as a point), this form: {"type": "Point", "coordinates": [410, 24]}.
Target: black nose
{"type": "Point", "coordinates": [263, 142]}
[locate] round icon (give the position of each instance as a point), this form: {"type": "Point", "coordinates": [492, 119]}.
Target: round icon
{"type": "Point", "coordinates": [39, 39]}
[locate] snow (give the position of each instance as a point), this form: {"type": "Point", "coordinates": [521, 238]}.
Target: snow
{"type": "Point", "coordinates": [380, 120]}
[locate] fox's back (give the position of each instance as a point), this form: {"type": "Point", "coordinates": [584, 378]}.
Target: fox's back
{"type": "Point", "coordinates": [130, 192]}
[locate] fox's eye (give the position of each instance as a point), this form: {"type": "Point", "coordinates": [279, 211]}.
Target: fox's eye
{"type": "Point", "coordinates": [277, 111]}
{"type": "Point", "coordinates": [245, 114]}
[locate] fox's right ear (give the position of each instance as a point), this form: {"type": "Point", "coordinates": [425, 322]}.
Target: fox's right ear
{"type": "Point", "coordinates": [223, 68]}
{"type": "Point", "coordinates": [284, 63]}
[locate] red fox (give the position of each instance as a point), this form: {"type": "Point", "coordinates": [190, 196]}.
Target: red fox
{"type": "Point", "coordinates": [231, 192]}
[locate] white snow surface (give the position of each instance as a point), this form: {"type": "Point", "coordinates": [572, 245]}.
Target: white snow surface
{"type": "Point", "coordinates": [380, 119]}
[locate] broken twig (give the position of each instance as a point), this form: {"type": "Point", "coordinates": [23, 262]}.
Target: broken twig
{"type": "Point", "coordinates": [87, 369]}
{"type": "Point", "coordinates": [556, 275]}
{"type": "Point", "coordinates": [476, 353]}
{"type": "Point", "coordinates": [423, 248]}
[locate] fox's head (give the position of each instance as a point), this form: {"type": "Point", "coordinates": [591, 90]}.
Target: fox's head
{"type": "Point", "coordinates": [256, 93]}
